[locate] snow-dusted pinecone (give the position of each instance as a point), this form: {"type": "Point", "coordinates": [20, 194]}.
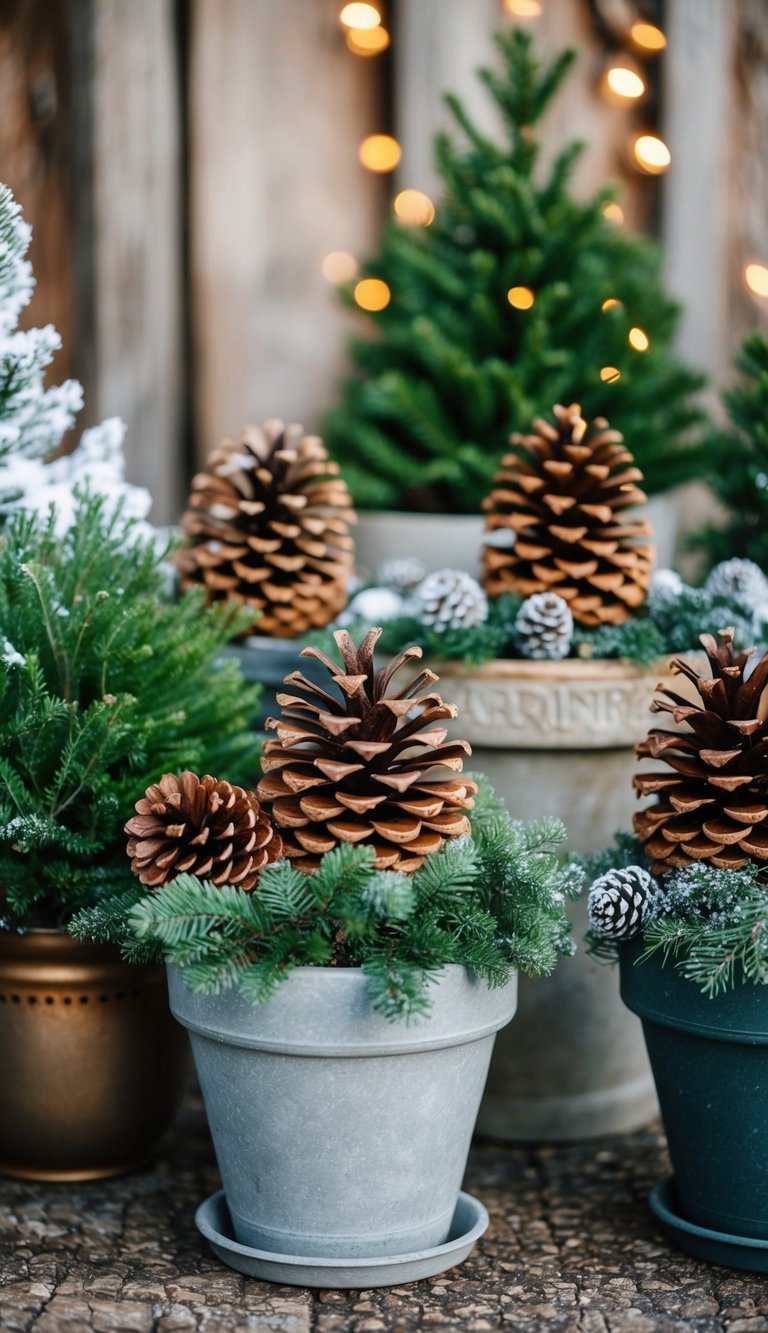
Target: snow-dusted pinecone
{"type": "Point", "coordinates": [740, 582]}
{"type": "Point", "coordinates": [544, 627]}
{"type": "Point", "coordinates": [620, 902]}
{"type": "Point", "coordinates": [402, 575]}
{"type": "Point", "coordinates": [373, 605]}
{"type": "Point", "coordinates": [450, 599]}
{"type": "Point", "coordinates": [665, 587]}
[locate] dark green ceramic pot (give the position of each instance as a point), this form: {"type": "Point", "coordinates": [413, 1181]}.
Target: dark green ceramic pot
{"type": "Point", "coordinates": [710, 1063]}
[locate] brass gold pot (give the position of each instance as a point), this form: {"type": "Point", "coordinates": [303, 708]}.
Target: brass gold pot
{"type": "Point", "coordinates": [92, 1064]}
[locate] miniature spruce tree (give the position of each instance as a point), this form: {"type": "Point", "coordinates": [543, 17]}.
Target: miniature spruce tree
{"type": "Point", "coordinates": [455, 367]}
{"type": "Point", "coordinates": [34, 419]}
{"type": "Point", "coordinates": [739, 474]}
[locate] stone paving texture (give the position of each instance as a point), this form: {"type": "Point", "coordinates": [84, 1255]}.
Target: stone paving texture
{"type": "Point", "coordinates": [571, 1247]}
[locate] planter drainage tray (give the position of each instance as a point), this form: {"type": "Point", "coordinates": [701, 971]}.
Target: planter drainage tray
{"type": "Point", "coordinates": [716, 1247]}
{"type": "Point", "coordinates": [469, 1222]}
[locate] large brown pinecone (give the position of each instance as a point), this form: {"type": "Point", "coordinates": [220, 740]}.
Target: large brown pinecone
{"type": "Point", "coordinates": [268, 524]}
{"type": "Point", "coordinates": [202, 827]}
{"type": "Point", "coordinates": [713, 804]}
{"type": "Point", "coordinates": [562, 495]}
{"type": "Point", "coordinates": [361, 765]}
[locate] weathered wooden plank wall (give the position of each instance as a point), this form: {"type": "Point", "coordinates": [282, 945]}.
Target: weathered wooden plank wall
{"type": "Point", "coordinates": [135, 247]}
{"type": "Point", "coordinates": [35, 153]}
{"type": "Point", "coordinates": [94, 128]}
{"type": "Point", "coordinates": [278, 107]}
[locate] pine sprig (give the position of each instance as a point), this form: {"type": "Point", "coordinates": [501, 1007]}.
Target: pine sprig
{"type": "Point", "coordinates": [402, 932]}
{"type": "Point", "coordinates": [103, 686]}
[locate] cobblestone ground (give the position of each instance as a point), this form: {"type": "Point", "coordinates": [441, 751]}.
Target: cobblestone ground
{"type": "Point", "coordinates": [571, 1247]}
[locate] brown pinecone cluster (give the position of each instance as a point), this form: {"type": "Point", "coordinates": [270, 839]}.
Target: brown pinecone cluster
{"type": "Point", "coordinates": [202, 827]}
{"type": "Point", "coordinates": [268, 524]}
{"type": "Point", "coordinates": [364, 764]}
{"type": "Point", "coordinates": [563, 494]}
{"type": "Point", "coordinates": [712, 799]}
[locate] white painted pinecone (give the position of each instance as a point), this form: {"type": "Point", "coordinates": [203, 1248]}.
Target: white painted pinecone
{"type": "Point", "coordinates": [665, 587]}
{"type": "Point", "coordinates": [544, 627]}
{"type": "Point", "coordinates": [451, 599]}
{"type": "Point", "coordinates": [620, 902]}
{"type": "Point", "coordinates": [403, 575]}
{"type": "Point", "coordinates": [742, 583]}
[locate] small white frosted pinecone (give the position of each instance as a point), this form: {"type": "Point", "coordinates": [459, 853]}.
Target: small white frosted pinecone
{"type": "Point", "coordinates": [544, 627]}
{"type": "Point", "coordinates": [403, 575]}
{"type": "Point", "coordinates": [740, 582]}
{"type": "Point", "coordinates": [620, 902]}
{"type": "Point", "coordinates": [450, 599]}
{"type": "Point", "coordinates": [665, 587]}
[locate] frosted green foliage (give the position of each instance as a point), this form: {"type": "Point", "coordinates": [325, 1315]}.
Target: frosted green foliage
{"type": "Point", "coordinates": [34, 419]}
{"type": "Point", "coordinates": [711, 924]}
{"type": "Point", "coordinates": [714, 924]}
{"type": "Point", "coordinates": [492, 902]}
{"type": "Point", "coordinates": [452, 368]}
{"type": "Point", "coordinates": [102, 689]}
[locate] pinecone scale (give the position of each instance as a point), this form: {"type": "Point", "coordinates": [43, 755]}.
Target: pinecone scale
{"type": "Point", "coordinates": [563, 493]}
{"type": "Point", "coordinates": [202, 827]}
{"type": "Point", "coordinates": [712, 797]}
{"type": "Point", "coordinates": [268, 525]}
{"type": "Point", "coordinates": [364, 766]}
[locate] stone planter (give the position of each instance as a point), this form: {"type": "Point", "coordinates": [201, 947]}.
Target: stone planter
{"type": "Point", "coordinates": [710, 1062]}
{"type": "Point", "coordinates": [439, 541]}
{"type": "Point", "coordinates": [455, 541]}
{"type": "Point", "coordinates": [93, 1066]}
{"type": "Point", "coordinates": [339, 1134]}
{"type": "Point", "coordinates": [663, 513]}
{"type": "Point", "coordinates": [560, 737]}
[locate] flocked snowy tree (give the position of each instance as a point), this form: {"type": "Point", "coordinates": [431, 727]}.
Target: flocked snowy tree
{"type": "Point", "coordinates": [454, 367]}
{"type": "Point", "coordinates": [34, 419]}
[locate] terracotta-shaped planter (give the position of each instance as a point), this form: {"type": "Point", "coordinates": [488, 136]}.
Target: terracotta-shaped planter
{"type": "Point", "coordinates": [560, 736]}
{"type": "Point", "coordinates": [341, 1135]}
{"type": "Point", "coordinates": [93, 1066]}
{"type": "Point", "coordinates": [710, 1062]}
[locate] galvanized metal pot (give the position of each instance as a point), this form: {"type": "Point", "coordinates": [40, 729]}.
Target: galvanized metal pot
{"type": "Point", "coordinates": [710, 1062]}
{"type": "Point", "coordinates": [92, 1066]}
{"type": "Point", "coordinates": [560, 736]}
{"type": "Point", "coordinates": [340, 1134]}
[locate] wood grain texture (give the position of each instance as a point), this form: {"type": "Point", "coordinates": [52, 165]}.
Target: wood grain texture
{"type": "Point", "coordinates": [35, 155]}
{"type": "Point", "coordinates": [136, 241]}
{"type": "Point", "coordinates": [278, 107]}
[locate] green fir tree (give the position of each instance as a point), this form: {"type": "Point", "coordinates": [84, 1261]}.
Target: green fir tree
{"type": "Point", "coordinates": [103, 687]}
{"type": "Point", "coordinates": [453, 368]}
{"type": "Point", "coordinates": [739, 471]}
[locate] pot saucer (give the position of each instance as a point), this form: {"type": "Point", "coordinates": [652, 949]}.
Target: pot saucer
{"type": "Point", "coordinates": [469, 1222]}
{"type": "Point", "coordinates": [716, 1247]}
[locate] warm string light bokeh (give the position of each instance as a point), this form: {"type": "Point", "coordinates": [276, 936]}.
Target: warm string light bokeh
{"type": "Point", "coordinates": [623, 81]}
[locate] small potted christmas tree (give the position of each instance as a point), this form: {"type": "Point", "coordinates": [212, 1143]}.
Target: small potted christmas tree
{"type": "Point", "coordinates": [268, 526]}
{"type": "Point", "coordinates": [101, 683]}
{"type": "Point", "coordinates": [365, 881]}
{"type": "Point", "coordinates": [514, 297]}
{"type": "Point", "coordinates": [688, 920]}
